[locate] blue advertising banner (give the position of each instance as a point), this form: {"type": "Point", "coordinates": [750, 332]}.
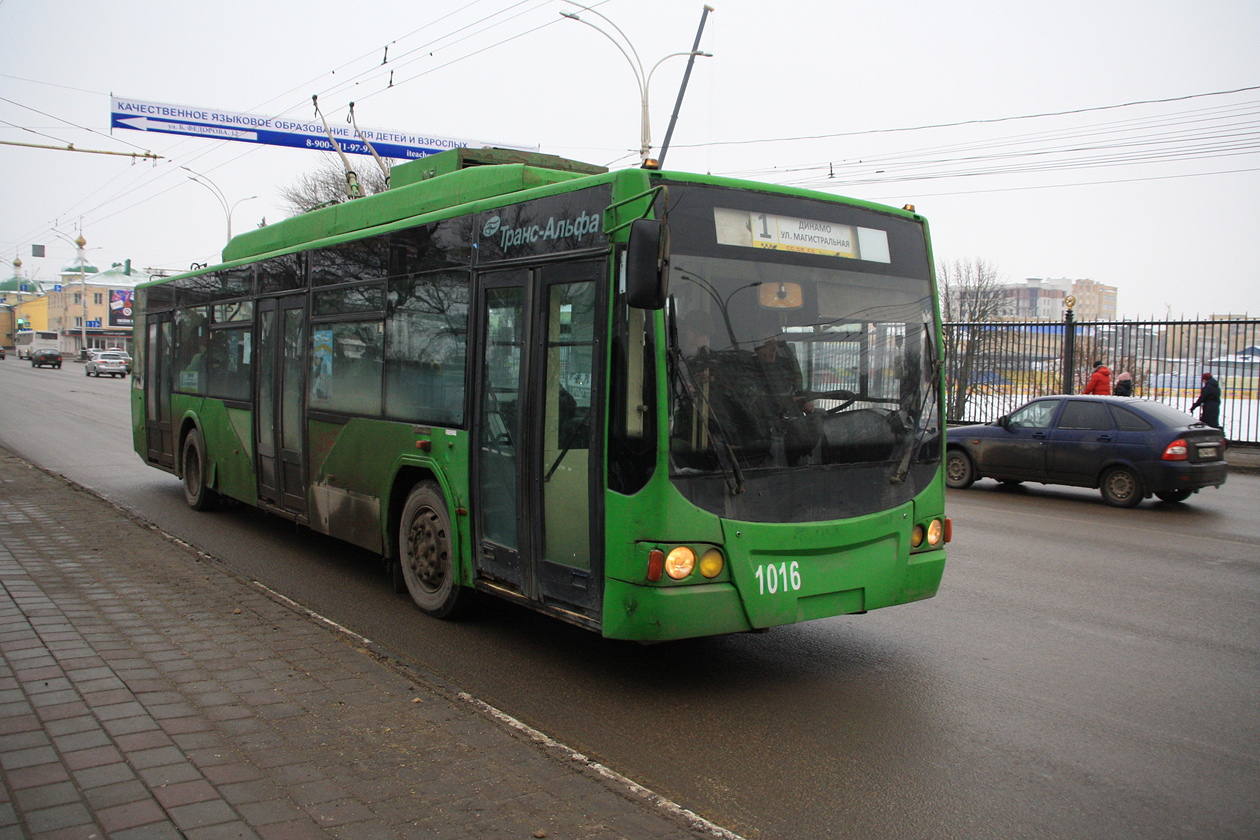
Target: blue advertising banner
{"type": "Point", "coordinates": [217, 124]}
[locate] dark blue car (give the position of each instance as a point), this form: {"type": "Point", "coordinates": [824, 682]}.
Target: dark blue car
{"type": "Point", "coordinates": [1129, 449]}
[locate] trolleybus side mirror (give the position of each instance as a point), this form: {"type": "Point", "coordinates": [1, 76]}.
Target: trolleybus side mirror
{"type": "Point", "coordinates": [647, 264]}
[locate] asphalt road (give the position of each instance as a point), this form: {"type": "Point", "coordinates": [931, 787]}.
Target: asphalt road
{"type": "Point", "coordinates": [1085, 672]}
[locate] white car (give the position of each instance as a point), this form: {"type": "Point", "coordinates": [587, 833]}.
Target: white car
{"type": "Point", "coordinates": [114, 364]}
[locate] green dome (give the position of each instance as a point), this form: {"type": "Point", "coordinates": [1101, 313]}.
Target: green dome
{"type": "Point", "coordinates": [14, 283]}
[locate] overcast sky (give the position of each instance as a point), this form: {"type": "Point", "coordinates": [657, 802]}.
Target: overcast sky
{"type": "Point", "coordinates": [960, 108]}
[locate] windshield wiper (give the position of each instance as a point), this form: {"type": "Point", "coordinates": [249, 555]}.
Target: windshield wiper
{"type": "Point", "coordinates": [916, 440]}
{"type": "Point", "coordinates": [727, 459]}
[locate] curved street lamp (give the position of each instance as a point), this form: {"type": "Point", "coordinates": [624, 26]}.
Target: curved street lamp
{"type": "Point", "coordinates": [218, 193]}
{"type": "Point", "coordinates": [643, 79]}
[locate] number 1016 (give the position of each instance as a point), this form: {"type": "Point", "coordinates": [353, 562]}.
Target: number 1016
{"type": "Point", "coordinates": [772, 578]}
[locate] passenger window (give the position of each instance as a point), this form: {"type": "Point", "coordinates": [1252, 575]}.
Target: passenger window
{"type": "Point", "coordinates": [1128, 421]}
{"type": "Point", "coordinates": [346, 362]}
{"type": "Point", "coordinates": [1034, 415]}
{"type": "Point", "coordinates": [1081, 414]}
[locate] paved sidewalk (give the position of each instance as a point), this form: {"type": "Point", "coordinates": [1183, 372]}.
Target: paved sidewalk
{"type": "Point", "coordinates": [146, 692]}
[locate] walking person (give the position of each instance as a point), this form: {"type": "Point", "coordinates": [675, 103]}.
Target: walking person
{"type": "Point", "coordinates": [1210, 400]}
{"type": "Point", "coordinates": [1099, 380]}
{"type": "Point", "coordinates": [1123, 386]}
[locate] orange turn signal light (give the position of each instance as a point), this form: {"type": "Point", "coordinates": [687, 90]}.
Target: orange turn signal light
{"type": "Point", "coordinates": [656, 565]}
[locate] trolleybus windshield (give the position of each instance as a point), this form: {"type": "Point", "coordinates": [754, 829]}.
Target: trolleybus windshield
{"type": "Point", "coordinates": [803, 375]}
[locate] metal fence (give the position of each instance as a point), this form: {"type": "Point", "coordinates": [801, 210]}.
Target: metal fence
{"type": "Point", "coordinates": [993, 368]}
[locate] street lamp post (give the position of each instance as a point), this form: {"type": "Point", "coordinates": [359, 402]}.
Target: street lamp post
{"type": "Point", "coordinates": [218, 193]}
{"type": "Point", "coordinates": [643, 79]}
{"type": "Point", "coordinates": [80, 245]}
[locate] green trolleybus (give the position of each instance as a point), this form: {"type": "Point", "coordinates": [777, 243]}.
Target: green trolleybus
{"type": "Point", "coordinates": [653, 404]}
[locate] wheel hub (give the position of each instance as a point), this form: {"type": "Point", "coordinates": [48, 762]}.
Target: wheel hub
{"type": "Point", "coordinates": [424, 552]}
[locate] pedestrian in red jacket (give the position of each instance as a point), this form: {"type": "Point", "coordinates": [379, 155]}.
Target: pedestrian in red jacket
{"type": "Point", "coordinates": [1099, 381]}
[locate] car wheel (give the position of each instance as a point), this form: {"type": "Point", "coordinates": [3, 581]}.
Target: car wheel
{"type": "Point", "coordinates": [426, 553]}
{"type": "Point", "coordinates": [1178, 495]}
{"type": "Point", "coordinates": [1121, 488]}
{"type": "Point", "coordinates": [196, 493]}
{"type": "Point", "coordinates": [87, 372]}
{"type": "Point", "coordinates": [959, 472]}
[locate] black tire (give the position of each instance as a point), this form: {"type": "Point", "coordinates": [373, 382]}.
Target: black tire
{"type": "Point", "coordinates": [196, 493]}
{"type": "Point", "coordinates": [426, 552]}
{"type": "Point", "coordinates": [1120, 487]}
{"type": "Point", "coordinates": [1178, 495]}
{"type": "Point", "coordinates": [959, 471]}
{"type": "Point", "coordinates": [87, 372]}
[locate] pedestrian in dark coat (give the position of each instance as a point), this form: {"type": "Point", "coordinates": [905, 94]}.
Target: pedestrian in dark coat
{"type": "Point", "coordinates": [1210, 400]}
{"type": "Point", "coordinates": [1123, 386]}
{"type": "Point", "coordinates": [1099, 380]}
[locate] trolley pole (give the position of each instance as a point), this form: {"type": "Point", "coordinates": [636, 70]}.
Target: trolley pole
{"type": "Point", "coordinates": [695, 48]}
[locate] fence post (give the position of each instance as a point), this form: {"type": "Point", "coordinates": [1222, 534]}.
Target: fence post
{"type": "Point", "coordinates": [1069, 345]}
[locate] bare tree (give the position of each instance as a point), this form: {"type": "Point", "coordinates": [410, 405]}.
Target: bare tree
{"type": "Point", "coordinates": [971, 299]}
{"type": "Point", "coordinates": [326, 183]}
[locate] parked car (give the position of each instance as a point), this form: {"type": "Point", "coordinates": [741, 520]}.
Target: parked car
{"type": "Point", "coordinates": [1130, 449]}
{"type": "Point", "coordinates": [1, 354]}
{"type": "Point", "coordinates": [106, 362]}
{"type": "Point", "coordinates": [52, 358]}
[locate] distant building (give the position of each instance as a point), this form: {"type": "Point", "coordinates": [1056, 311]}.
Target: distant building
{"type": "Point", "coordinates": [92, 309]}
{"type": "Point", "coordinates": [1045, 299]}
{"type": "Point", "coordinates": [23, 299]}
{"type": "Point", "coordinates": [18, 287]}
{"type": "Point", "coordinates": [1034, 300]}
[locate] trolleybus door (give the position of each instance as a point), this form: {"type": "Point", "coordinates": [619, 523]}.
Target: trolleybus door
{"type": "Point", "coordinates": [279, 442]}
{"type": "Point", "coordinates": [537, 463]}
{"type": "Point", "coordinates": [157, 389]}
{"type": "Point", "coordinates": [567, 475]}
{"type": "Point", "coordinates": [504, 329]}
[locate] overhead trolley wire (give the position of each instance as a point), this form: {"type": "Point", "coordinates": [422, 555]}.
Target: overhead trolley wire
{"type": "Point", "coordinates": [220, 144]}
{"type": "Point", "coordinates": [983, 121]}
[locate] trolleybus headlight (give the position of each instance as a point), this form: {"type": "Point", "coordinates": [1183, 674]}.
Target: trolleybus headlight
{"type": "Point", "coordinates": [916, 536]}
{"type": "Point", "coordinates": [711, 563]}
{"type": "Point", "coordinates": [935, 531]}
{"type": "Point", "coordinates": [680, 562]}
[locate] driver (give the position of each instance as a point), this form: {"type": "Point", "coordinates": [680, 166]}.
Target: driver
{"type": "Point", "coordinates": [782, 371]}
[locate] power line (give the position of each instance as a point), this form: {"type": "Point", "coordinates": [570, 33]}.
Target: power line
{"type": "Point", "coordinates": [977, 121]}
{"type": "Point", "coordinates": [1077, 184]}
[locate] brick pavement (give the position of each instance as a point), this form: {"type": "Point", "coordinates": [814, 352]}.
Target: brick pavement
{"type": "Point", "coordinates": [147, 693]}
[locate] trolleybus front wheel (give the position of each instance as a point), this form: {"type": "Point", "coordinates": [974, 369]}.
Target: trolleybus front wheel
{"type": "Point", "coordinates": [426, 552]}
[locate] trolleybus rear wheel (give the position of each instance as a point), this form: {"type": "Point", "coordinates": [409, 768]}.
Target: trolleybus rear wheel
{"type": "Point", "coordinates": [196, 493]}
{"type": "Point", "coordinates": [426, 553]}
